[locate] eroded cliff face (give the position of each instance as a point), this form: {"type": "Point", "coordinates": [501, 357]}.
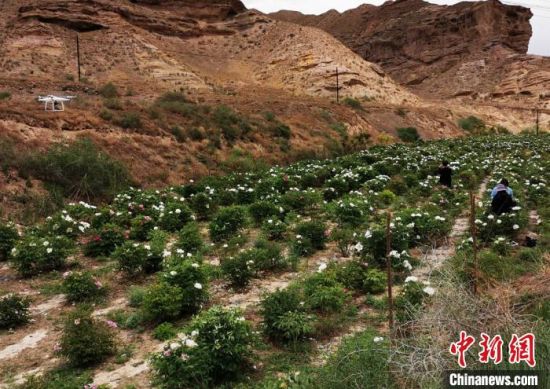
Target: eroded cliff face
{"type": "Point", "coordinates": [466, 48]}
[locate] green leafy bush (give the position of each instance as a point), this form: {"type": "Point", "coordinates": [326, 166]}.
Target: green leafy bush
{"type": "Point", "coordinates": [410, 300]}
{"type": "Point", "coordinates": [190, 239]}
{"type": "Point", "coordinates": [8, 237]}
{"type": "Point", "coordinates": [174, 217]}
{"type": "Point", "coordinates": [344, 238]}
{"type": "Point", "coordinates": [14, 311]}
{"type": "Point", "coordinates": [408, 134]}
{"type": "Point", "coordinates": [375, 281]}
{"type": "Point", "coordinates": [141, 226]}
{"type": "Point", "coordinates": [165, 331]}
{"type": "Point", "coordinates": [162, 302]}
{"type": "Point", "coordinates": [361, 361]}
{"type": "Point", "coordinates": [323, 293]}
{"type": "Point", "coordinates": [80, 170]}
{"type": "Point", "coordinates": [4, 95]}
{"type": "Point", "coordinates": [268, 256]}
{"type": "Point", "coordinates": [274, 229]}
{"type": "Point", "coordinates": [192, 279]}
{"type": "Point", "coordinates": [227, 222]}
{"type": "Point", "coordinates": [134, 258]}
{"type": "Point", "coordinates": [82, 286]}
{"type": "Point", "coordinates": [217, 350]}
{"type": "Point", "coordinates": [86, 341]}
{"type": "Point", "coordinates": [262, 210]}
{"type": "Point", "coordinates": [105, 241]}
{"type": "Point", "coordinates": [310, 237]}
{"type": "Point", "coordinates": [34, 255]}
{"type": "Point", "coordinates": [285, 317]}
{"type": "Point", "coordinates": [239, 270]}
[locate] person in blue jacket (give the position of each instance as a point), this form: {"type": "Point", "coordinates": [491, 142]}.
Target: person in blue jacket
{"type": "Point", "coordinates": [502, 198]}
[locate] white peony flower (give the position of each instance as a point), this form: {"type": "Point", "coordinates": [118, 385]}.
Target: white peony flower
{"type": "Point", "coordinates": [322, 267]}
{"type": "Point", "coordinates": [429, 290]}
{"type": "Point", "coordinates": [411, 279]}
{"type": "Point", "coordinates": [378, 339]}
{"type": "Point", "coordinates": [198, 285]}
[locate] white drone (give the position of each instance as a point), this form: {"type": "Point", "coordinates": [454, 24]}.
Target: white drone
{"type": "Point", "coordinates": [55, 103]}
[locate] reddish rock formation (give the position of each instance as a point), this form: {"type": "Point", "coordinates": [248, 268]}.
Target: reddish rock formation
{"type": "Point", "coordinates": [450, 50]}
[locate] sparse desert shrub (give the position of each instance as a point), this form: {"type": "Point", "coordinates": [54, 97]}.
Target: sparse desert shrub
{"type": "Point", "coordinates": [34, 255]}
{"type": "Point", "coordinates": [113, 104]}
{"type": "Point", "coordinates": [80, 170]}
{"type": "Point", "coordinates": [108, 91]}
{"type": "Point", "coordinates": [217, 349]}
{"type": "Point", "coordinates": [178, 134]}
{"type": "Point", "coordinates": [14, 311]}
{"type": "Point", "coordinates": [227, 222]}
{"type": "Point", "coordinates": [195, 134]}
{"type": "Point", "coordinates": [471, 124]}
{"type": "Point", "coordinates": [8, 238]}
{"type": "Point", "coordinates": [86, 341]}
{"type": "Point", "coordinates": [280, 130]}
{"type": "Point", "coordinates": [106, 115]}
{"type": "Point", "coordinates": [408, 134]}
{"type": "Point", "coordinates": [352, 103]}
{"type": "Point", "coordinates": [105, 241]}
{"type": "Point", "coordinates": [130, 120]}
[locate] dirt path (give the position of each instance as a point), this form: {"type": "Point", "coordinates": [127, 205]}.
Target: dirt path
{"type": "Point", "coordinates": [434, 258]}
{"type": "Point", "coordinates": [29, 341]}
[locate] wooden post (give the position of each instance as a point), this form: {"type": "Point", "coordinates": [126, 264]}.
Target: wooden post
{"type": "Point", "coordinates": [78, 55]}
{"type": "Point", "coordinates": [474, 237]}
{"type": "Point", "coordinates": [337, 86]}
{"type": "Point", "coordinates": [538, 120]}
{"type": "Point", "coordinates": [389, 270]}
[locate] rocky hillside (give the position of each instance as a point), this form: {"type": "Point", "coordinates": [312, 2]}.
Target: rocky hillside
{"type": "Point", "coordinates": [458, 50]}
{"type": "Point", "coordinates": [182, 44]}
{"type": "Point", "coordinates": [249, 88]}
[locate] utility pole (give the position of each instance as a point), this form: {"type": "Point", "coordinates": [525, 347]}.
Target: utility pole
{"type": "Point", "coordinates": [78, 55]}
{"type": "Point", "coordinates": [337, 86]}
